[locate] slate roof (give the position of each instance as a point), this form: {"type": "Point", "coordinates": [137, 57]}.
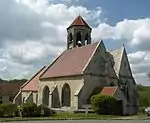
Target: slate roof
{"type": "Point", "coordinates": [117, 55]}
{"type": "Point", "coordinates": [79, 21]}
{"type": "Point", "coordinates": [109, 90]}
{"type": "Point", "coordinates": [32, 84]}
{"type": "Point", "coordinates": [71, 62]}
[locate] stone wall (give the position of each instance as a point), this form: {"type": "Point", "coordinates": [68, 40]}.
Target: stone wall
{"type": "Point", "coordinates": [26, 93]}
{"type": "Point", "coordinates": [74, 82]}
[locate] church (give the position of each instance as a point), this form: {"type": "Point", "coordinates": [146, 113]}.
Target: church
{"type": "Point", "coordinates": [81, 71]}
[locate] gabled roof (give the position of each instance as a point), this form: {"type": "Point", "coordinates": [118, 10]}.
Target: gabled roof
{"type": "Point", "coordinates": [71, 62]}
{"type": "Point", "coordinates": [117, 55]}
{"type": "Point", "coordinates": [32, 84]}
{"type": "Point", "coordinates": [79, 21]}
{"type": "Point", "coordinates": [109, 90]}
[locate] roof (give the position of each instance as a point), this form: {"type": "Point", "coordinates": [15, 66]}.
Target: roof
{"type": "Point", "coordinates": [117, 55]}
{"type": "Point", "coordinates": [109, 90]}
{"type": "Point", "coordinates": [10, 88]}
{"type": "Point", "coordinates": [71, 62]}
{"type": "Point", "coordinates": [79, 21]}
{"type": "Point", "coordinates": [32, 84]}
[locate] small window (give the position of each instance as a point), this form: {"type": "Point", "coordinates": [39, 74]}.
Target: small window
{"type": "Point", "coordinates": [1, 100]}
{"type": "Point", "coordinates": [23, 99]}
{"type": "Point", "coordinates": [112, 84]}
{"type": "Point", "coordinates": [11, 98]}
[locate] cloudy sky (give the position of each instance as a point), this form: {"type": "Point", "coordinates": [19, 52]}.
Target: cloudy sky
{"type": "Point", "coordinates": [33, 32]}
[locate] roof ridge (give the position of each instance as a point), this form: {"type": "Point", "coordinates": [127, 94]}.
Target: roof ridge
{"type": "Point", "coordinates": [32, 77]}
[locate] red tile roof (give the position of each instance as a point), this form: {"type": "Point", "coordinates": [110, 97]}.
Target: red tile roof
{"type": "Point", "coordinates": [32, 84]}
{"type": "Point", "coordinates": [109, 90]}
{"type": "Point", "coordinates": [79, 21]}
{"type": "Point", "coordinates": [71, 62]}
{"type": "Point", "coordinates": [10, 88]}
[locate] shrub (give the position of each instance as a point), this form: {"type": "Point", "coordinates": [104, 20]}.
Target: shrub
{"type": "Point", "coordinates": [7, 110]}
{"type": "Point", "coordinates": [27, 109]}
{"type": "Point", "coordinates": [44, 111]}
{"type": "Point", "coordinates": [142, 110]}
{"type": "Point", "coordinates": [103, 104]}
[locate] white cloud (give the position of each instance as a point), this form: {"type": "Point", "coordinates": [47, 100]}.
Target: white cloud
{"type": "Point", "coordinates": [140, 64]}
{"type": "Point", "coordinates": [135, 32]}
{"type": "Point", "coordinates": [33, 32]}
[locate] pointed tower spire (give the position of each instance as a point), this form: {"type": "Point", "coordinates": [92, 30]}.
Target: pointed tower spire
{"type": "Point", "coordinates": [79, 21]}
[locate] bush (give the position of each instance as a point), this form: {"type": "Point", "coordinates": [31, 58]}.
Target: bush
{"type": "Point", "coordinates": [8, 110]}
{"type": "Point", "coordinates": [142, 110]}
{"type": "Point", "coordinates": [28, 109]}
{"type": "Point", "coordinates": [44, 111]}
{"type": "Point", "coordinates": [32, 110]}
{"type": "Point", "coordinates": [103, 104]}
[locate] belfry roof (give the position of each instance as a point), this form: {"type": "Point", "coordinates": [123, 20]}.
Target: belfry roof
{"type": "Point", "coordinates": [79, 21]}
{"type": "Point", "coordinates": [71, 62]}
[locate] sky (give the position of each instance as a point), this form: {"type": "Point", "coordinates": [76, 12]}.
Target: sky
{"type": "Point", "coordinates": [33, 32]}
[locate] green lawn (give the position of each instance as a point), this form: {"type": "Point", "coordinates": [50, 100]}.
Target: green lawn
{"type": "Point", "coordinates": [80, 116]}
{"type": "Point", "coordinates": [61, 116]}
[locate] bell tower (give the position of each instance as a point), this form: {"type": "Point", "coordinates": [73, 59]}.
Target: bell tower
{"type": "Point", "coordinates": [79, 33]}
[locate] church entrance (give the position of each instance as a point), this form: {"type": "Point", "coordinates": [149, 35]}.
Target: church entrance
{"type": "Point", "coordinates": [46, 96]}
{"type": "Point", "coordinates": [66, 95]}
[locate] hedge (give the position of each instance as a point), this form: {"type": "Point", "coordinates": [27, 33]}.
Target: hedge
{"type": "Point", "coordinates": [103, 104]}
{"type": "Point", "coordinates": [32, 110]}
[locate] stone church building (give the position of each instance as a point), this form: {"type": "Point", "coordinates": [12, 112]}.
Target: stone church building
{"type": "Point", "coordinates": [82, 70]}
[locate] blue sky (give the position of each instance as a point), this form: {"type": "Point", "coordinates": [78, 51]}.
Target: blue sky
{"type": "Point", "coordinates": [33, 32]}
{"type": "Point", "coordinates": [118, 10]}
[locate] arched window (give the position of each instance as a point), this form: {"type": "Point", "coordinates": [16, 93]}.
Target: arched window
{"type": "Point", "coordinates": [70, 37]}
{"type": "Point", "coordinates": [86, 39]}
{"type": "Point", "coordinates": [46, 96]}
{"type": "Point", "coordinates": [78, 42]}
{"type": "Point", "coordinates": [66, 95]}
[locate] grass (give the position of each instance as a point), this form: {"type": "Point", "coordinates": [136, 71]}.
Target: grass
{"type": "Point", "coordinates": [61, 116]}
{"type": "Point", "coordinates": [81, 116]}
{"type": "Point", "coordinates": [69, 116]}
